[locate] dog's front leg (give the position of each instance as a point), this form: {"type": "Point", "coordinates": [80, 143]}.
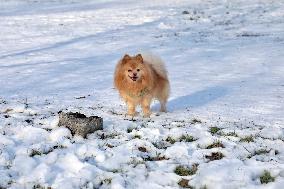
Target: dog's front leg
{"type": "Point", "coordinates": [146, 107]}
{"type": "Point", "coordinates": [131, 109]}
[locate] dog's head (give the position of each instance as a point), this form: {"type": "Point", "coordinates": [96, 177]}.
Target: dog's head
{"type": "Point", "coordinates": [133, 67]}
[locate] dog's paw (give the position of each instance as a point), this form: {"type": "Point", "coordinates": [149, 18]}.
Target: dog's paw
{"type": "Point", "coordinates": [147, 115]}
{"type": "Point", "coordinates": [130, 114]}
{"type": "Point", "coordinates": [131, 118]}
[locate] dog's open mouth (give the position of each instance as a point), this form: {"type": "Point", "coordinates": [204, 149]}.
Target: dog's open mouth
{"type": "Point", "coordinates": [134, 78]}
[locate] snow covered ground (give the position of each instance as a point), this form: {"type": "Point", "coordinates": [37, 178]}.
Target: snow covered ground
{"type": "Point", "coordinates": [225, 125]}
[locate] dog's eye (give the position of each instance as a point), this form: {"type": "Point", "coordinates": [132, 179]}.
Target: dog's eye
{"type": "Point", "coordinates": [138, 70]}
{"type": "Point", "coordinates": [129, 70]}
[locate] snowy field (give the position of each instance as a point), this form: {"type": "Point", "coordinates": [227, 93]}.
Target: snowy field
{"type": "Point", "coordinates": [225, 125]}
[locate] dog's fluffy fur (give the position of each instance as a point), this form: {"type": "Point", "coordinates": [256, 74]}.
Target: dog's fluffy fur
{"type": "Point", "coordinates": [140, 79]}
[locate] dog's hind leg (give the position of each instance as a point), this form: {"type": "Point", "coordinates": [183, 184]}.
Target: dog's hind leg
{"type": "Point", "coordinates": [163, 97]}
{"type": "Point", "coordinates": [163, 107]}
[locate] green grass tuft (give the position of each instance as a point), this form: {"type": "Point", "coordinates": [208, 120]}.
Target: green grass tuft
{"type": "Point", "coordinates": [185, 171]}
{"type": "Point", "coordinates": [214, 130]}
{"type": "Point", "coordinates": [137, 136]}
{"type": "Point", "coordinates": [184, 183]}
{"type": "Point", "coordinates": [107, 181]}
{"type": "Point", "coordinates": [187, 138]}
{"type": "Point", "coordinates": [35, 152]}
{"type": "Point", "coordinates": [142, 149]}
{"type": "Point", "coordinates": [171, 140]}
{"type": "Point", "coordinates": [217, 144]}
{"type": "Point", "coordinates": [183, 138]}
{"type": "Point", "coordinates": [158, 157]}
{"type": "Point", "coordinates": [129, 130]}
{"type": "Point", "coordinates": [215, 156]}
{"type": "Point", "coordinates": [266, 178]}
{"type": "Point", "coordinates": [234, 134]}
{"type": "Point", "coordinates": [261, 151]}
{"type": "Point", "coordinates": [247, 139]}
{"type": "Point", "coordinates": [38, 186]}
{"type": "Point", "coordinates": [195, 120]}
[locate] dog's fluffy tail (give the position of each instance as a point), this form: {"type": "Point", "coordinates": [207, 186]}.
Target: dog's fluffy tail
{"type": "Point", "coordinates": [156, 62]}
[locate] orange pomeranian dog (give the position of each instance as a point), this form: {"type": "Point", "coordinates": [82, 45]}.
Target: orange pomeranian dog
{"type": "Point", "coordinates": [139, 80]}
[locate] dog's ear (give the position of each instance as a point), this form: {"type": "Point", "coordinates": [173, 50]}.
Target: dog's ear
{"type": "Point", "coordinates": [125, 58]}
{"type": "Point", "coordinates": [139, 58]}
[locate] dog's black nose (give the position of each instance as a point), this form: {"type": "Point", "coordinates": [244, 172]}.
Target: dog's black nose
{"type": "Point", "coordinates": [134, 74]}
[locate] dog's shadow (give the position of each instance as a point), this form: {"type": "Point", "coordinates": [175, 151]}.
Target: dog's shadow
{"type": "Point", "coordinates": [194, 100]}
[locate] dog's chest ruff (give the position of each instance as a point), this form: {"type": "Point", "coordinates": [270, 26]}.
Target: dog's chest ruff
{"type": "Point", "coordinates": [141, 94]}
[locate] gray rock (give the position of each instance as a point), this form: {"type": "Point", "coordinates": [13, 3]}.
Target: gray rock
{"type": "Point", "coordinates": [80, 124]}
